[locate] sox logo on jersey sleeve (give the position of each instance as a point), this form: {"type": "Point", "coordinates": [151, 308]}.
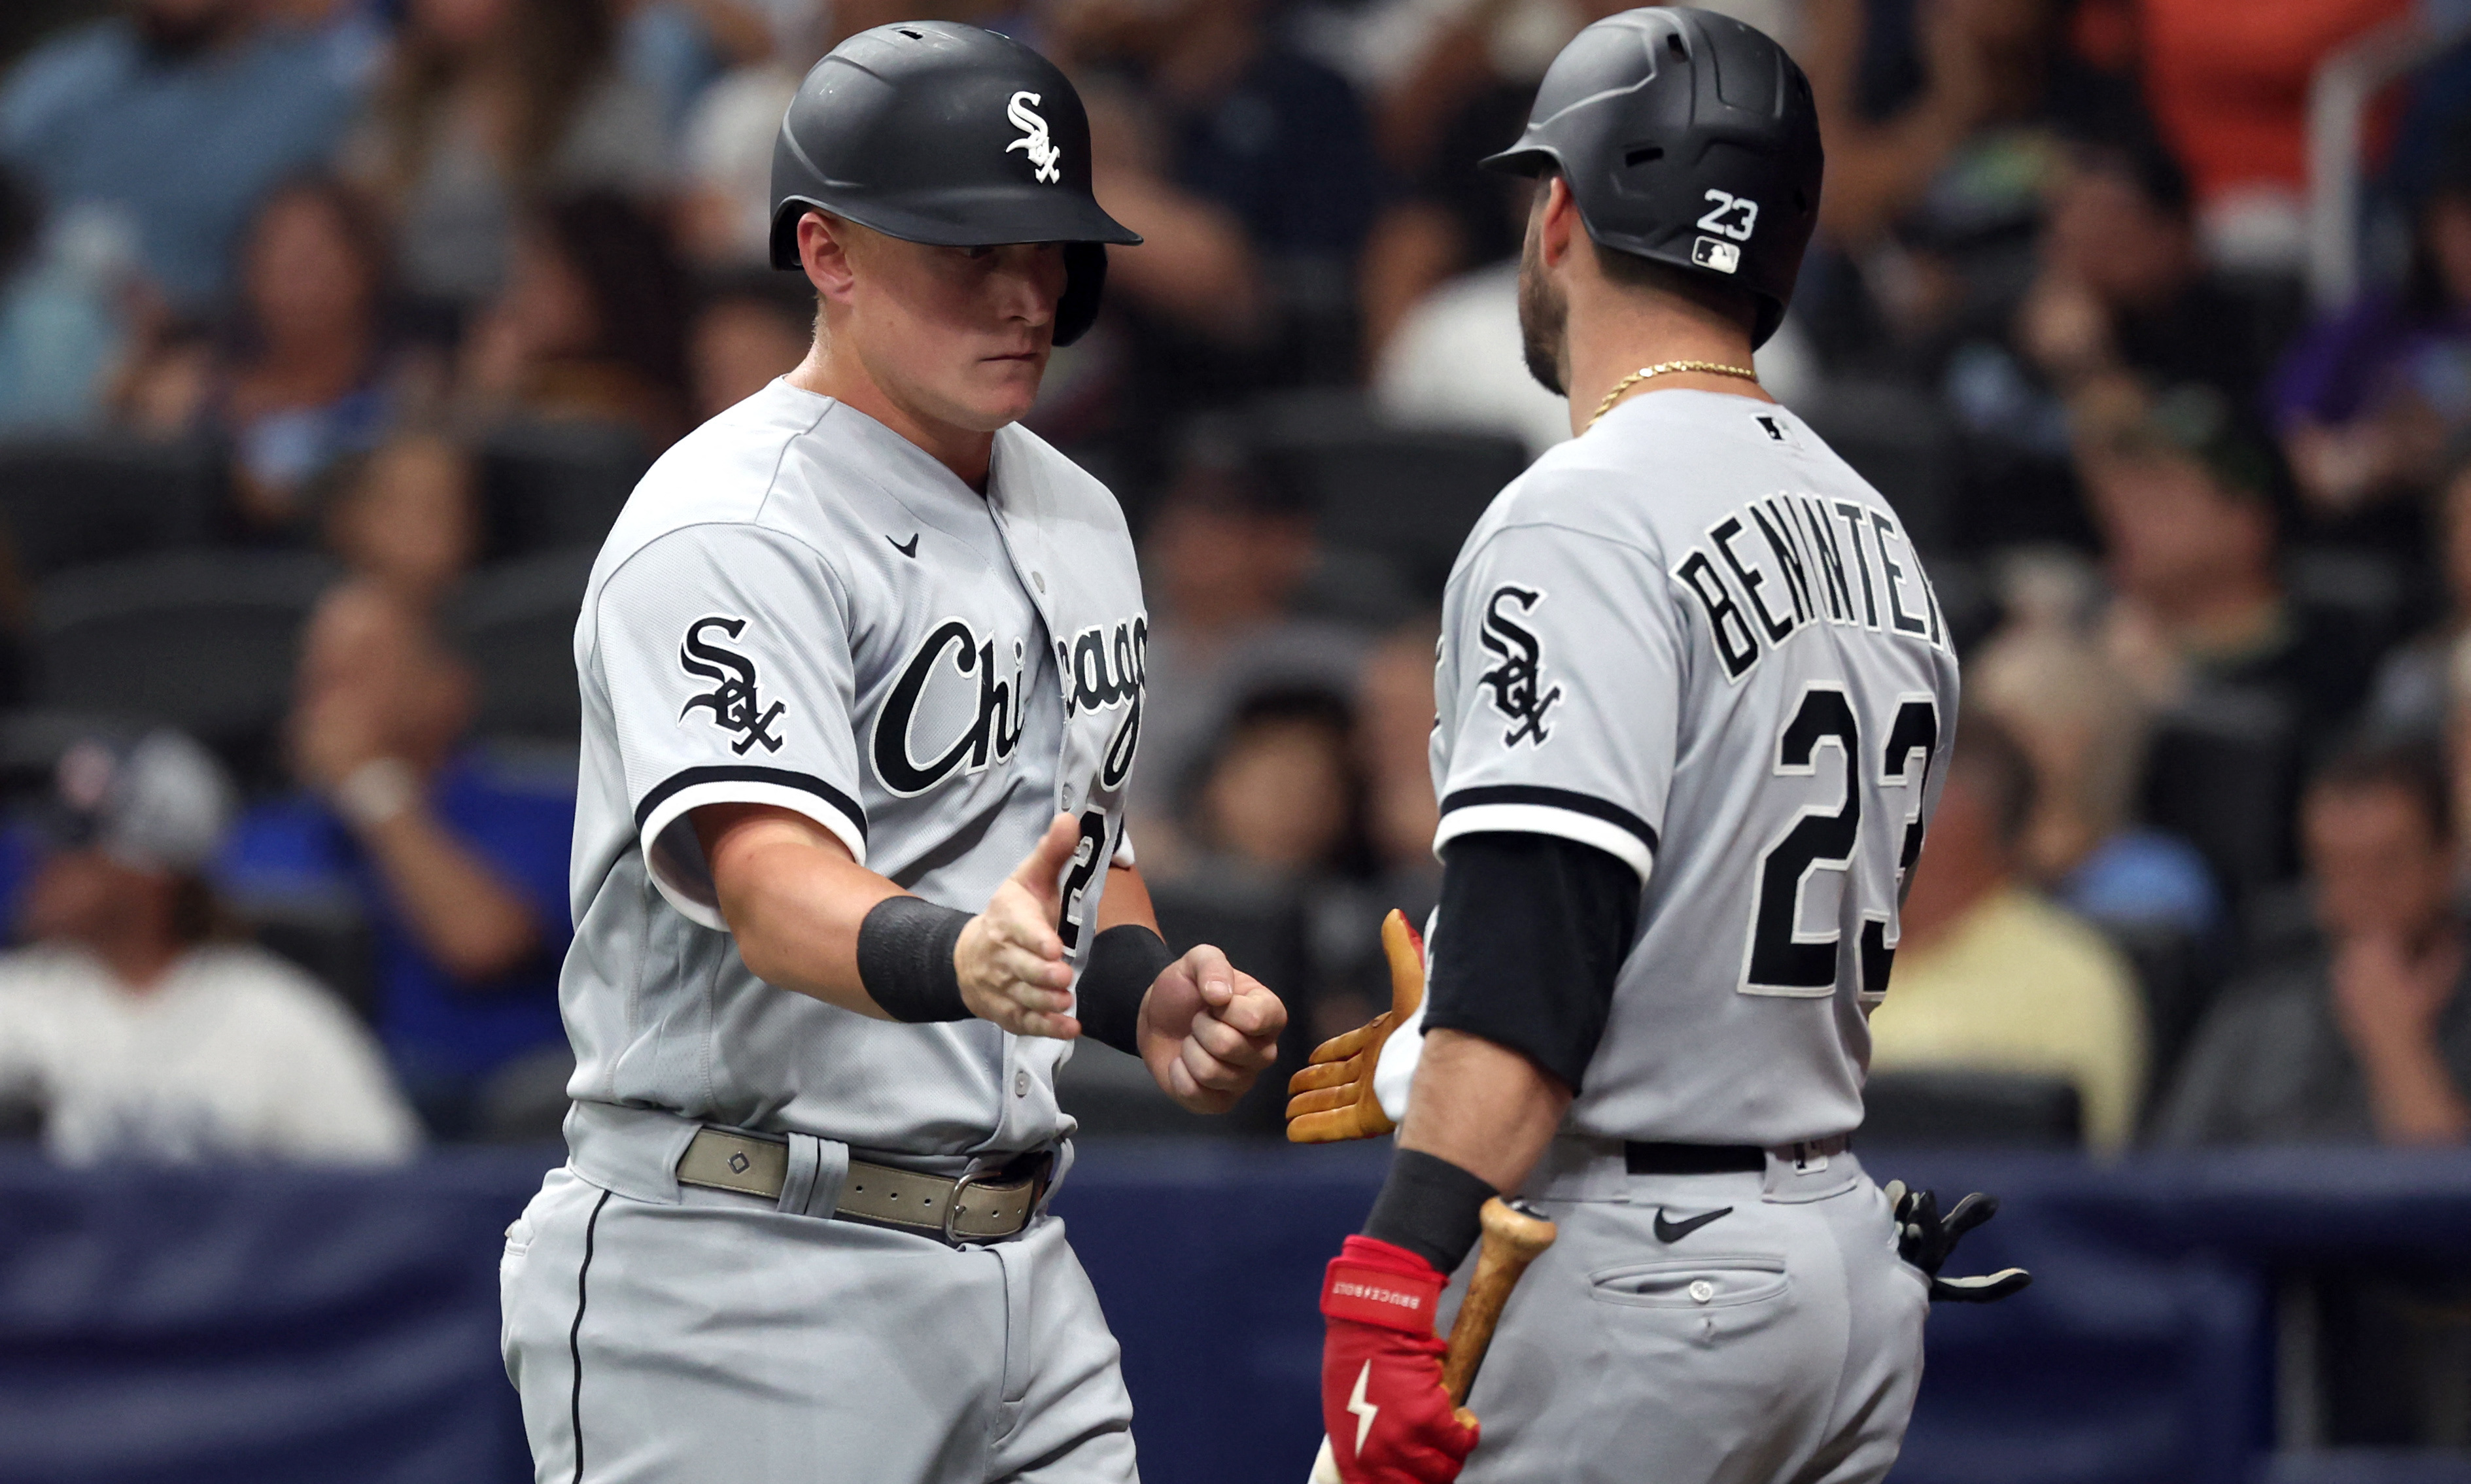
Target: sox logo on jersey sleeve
{"type": "Point", "coordinates": [1516, 683]}
{"type": "Point", "coordinates": [735, 703]}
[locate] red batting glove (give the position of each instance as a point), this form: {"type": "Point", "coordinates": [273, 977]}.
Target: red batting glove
{"type": "Point", "coordinates": [1381, 1397]}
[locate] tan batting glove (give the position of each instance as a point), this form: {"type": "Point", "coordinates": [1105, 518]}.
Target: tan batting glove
{"type": "Point", "coordinates": [1331, 1098]}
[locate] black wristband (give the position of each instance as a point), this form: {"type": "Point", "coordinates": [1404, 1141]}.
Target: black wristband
{"type": "Point", "coordinates": [1123, 961]}
{"type": "Point", "coordinates": [1430, 1207]}
{"type": "Point", "coordinates": [904, 959]}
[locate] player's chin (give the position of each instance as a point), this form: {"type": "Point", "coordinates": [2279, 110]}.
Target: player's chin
{"type": "Point", "coordinates": [1004, 388]}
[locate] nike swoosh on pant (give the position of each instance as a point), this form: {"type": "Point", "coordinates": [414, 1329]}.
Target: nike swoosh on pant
{"type": "Point", "coordinates": [1675, 1231]}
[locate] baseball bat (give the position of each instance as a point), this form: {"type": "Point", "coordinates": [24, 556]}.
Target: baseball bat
{"type": "Point", "coordinates": [1513, 1239]}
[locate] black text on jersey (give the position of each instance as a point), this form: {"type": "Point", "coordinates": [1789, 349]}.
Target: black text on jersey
{"type": "Point", "coordinates": [993, 731]}
{"type": "Point", "coordinates": [734, 703]}
{"type": "Point", "coordinates": [1784, 561]}
{"type": "Point", "coordinates": [1103, 668]}
{"type": "Point", "coordinates": [1517, 681]}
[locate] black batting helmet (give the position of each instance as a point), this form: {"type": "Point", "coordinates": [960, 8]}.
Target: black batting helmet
{"type": "Point", "coordinates": [1688, 138]}
{"type": "Point", "coordinates": [938, 133]}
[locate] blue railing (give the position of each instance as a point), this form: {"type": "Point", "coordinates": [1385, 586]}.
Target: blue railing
{"type": "Point", "coordinates": [276, 1326]}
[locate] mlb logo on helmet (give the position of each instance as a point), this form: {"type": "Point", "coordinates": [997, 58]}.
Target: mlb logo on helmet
{"type": "Point", "coordinates": [1722, 256]}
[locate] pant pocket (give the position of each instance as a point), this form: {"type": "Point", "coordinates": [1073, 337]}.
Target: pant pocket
{"type": "Point", "coordinates": [1692, 1283]}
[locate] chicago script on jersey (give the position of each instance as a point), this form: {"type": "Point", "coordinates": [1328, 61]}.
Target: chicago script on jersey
{"type": "Point", "coordinates": [992, 733]}
{"type": "Point", "coordinates": [1103, 668]}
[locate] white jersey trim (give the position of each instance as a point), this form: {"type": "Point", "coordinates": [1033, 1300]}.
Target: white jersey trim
{"type": "Point", "coordinates": [1547, 819]}
{"type": "Point", "coordinates": [678, 869]}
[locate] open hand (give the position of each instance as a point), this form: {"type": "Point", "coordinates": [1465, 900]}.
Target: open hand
{"type": "Point", "coordinates": [1010, 958]}
{"type": "Point", "coordinates": [1207, 1031]}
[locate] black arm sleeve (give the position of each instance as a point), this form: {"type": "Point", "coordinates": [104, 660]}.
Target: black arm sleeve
{"type": "Point", "coordinates": [1534, 930]}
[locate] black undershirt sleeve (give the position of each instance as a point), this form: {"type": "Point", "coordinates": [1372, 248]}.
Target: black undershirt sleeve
{"type": "Point", "coordinates": [1534, 928]}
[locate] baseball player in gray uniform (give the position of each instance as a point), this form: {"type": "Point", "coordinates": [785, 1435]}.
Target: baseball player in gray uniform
{"type": "Point", "coordinates": [863, 669]}
{"type": "Point", "coordinates": [1693, 692]}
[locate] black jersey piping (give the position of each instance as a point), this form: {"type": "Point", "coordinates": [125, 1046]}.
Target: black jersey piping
{"type": "Point", "coordinates": [747, 772]}
{"type": "Point", "coordinates": [1539, 796]}
{"type": "Point", "coordinates": [575, 1337]}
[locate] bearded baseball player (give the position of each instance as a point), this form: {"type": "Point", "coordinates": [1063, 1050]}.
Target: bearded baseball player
{"type": "Point", "coordinates": [862, 668]}
{"type": "Point", "coordinates": [1693, 692]}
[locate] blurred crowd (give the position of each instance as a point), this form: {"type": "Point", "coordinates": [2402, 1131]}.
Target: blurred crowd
{"type": "Point", "coordinates": [332, 332]}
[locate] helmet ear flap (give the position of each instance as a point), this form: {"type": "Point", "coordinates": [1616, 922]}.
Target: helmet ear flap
{"type": "Point", "coordinates": [786, 218]}
{"type": "Point", "coordinates": [1085, 276]}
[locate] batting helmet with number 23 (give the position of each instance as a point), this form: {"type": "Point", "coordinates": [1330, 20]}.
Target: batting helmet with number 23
{"type": "Point", "coordinates": [1687, 137]}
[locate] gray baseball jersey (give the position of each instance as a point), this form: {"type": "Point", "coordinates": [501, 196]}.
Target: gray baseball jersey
{"type": "Point", "coordinates": [1696, 639]}
{"type": "Point", "coordinates": [799, 607]}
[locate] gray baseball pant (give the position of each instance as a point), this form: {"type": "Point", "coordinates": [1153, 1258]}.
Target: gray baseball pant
{"type": "Point", "coordinates": [1780, 1343]}
{"type": "Point", "coordinates": [716, 1339]}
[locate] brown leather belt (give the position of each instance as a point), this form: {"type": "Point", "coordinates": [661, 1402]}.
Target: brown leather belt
{"type": "Point", "coordinates": [980, 1207]}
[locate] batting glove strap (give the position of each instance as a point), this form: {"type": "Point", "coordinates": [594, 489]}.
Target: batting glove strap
{"type": "Point", "coordinates": [1374, 1283]}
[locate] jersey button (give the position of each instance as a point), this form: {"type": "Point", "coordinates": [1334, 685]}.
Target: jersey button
{"type": "Point", "coordinates": [1701, 1291]}
{"type": "Point", "coordinates": [1021, 1084]}
{"type": "Point", "coordinates": [1040, 578]}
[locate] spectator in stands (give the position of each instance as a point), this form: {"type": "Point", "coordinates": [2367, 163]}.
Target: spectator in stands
{"type": "Point", "coordinates": [751, 328]}
{"type": "Point", "coordinates": [408, 520]}
{"type": "Point", "coordinates": [2365, 1038]}
{"type": "Point", "coordinates": [1223, 558]}
{"type": "Point", "coordinates": [592, 325]}
{"type": "Point", "coordinates": [132, 1029]}
{"type": "Point", "coordinates": [1992, 976]}
{"type": "Point", "coordinates": [1394, 730]}
{"type": "Point", "coordinates": [1250, 122]}
{"type": "Point", "coordinates": [166, 126]}
{"type": "Point", "coordinates": [2230, 84]}
{"type": "Point", "coordinates": [1281, 794]}
{"type": "Point", "coordinates": [1456, 357]}
{"type": "Point", "coordinates": [490, 106]}
{"type": "Point", "coordinates": [460, 853]}
{"type": "Point", "coordinates": [2122, 288]}
{"type": "Point", "coordinates": [300, 380]}
{"type": "Point", "coordinates": [2082, 725]}
{"type": "Point", "coordinates": [2366, 401]}
{"type": "Point", "coordinates": [724, 217]}
{"type": "Point", "coordinates": [1278, 801]}
{"type": "Point", "coordinates": [60, 319]}
{"type": "Point", "coordinates": [2186, 504]}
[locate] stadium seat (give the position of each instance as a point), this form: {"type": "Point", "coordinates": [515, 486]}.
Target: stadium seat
{"type": "Point", "coordinates": [65, 501]}
{"type": "Point", "coordinates": [1411, 495]}
{"type": "Point", "coordinates": [1942, 1109]}
{"type": "Point", "coordinates": [515, 622]}
{"type": "Point", "coordinates": [545, 485]}
{"type": "Point", "coordinates": [324, 931]}
{"type": "Point", "coordinates": [2222, 774]}
{"type": "Point", "coordinates": [206, 642]}
{"type": "Point", "coordinates": [1901, 442]}
{"type": "Point", "coordinates": [2177, 976]}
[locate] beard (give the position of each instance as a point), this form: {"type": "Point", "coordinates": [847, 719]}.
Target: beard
{"type": "Point", "coordinates": [1544, 320]}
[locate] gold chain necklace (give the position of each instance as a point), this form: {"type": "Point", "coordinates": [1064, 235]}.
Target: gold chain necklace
{"type": "Point", "coordinates": [1663, 368]}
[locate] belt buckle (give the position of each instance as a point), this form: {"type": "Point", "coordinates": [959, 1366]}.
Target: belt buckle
{"type": "Point", "coordinates": [953, 1208]}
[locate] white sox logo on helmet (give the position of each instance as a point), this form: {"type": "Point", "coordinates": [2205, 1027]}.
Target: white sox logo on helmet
{"type": "Point", "coordinates": [1042, 150]}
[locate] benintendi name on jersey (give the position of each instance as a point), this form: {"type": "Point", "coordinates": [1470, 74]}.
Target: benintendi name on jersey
{"type": "Point", "coordinates": [1868, 574]}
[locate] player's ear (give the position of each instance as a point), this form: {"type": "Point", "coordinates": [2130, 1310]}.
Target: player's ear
{"type": "Point", "coordinates": [1557, 219]}
{"type": "Point", "coordinates": [824, 245]}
